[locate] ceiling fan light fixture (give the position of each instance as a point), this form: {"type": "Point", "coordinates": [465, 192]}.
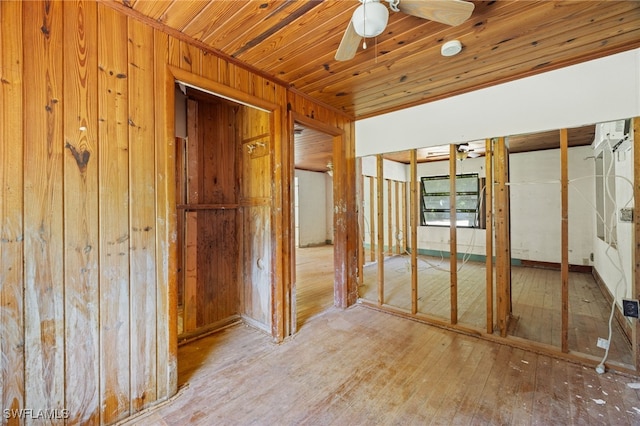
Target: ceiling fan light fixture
{"type": "Point", "coordinates": [370, 18]}
{"type": "Point", "coordinates": [451, 48]}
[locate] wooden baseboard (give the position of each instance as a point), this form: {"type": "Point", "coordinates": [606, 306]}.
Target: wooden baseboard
{"type": "Point", "coordinates": [209, 329]}
{"type": "Point", "coordinates": [620, 318]}
{"type": "Point", "coordinates": [586, 269]}
{"type": "Point", "coordinates": [256, 324]}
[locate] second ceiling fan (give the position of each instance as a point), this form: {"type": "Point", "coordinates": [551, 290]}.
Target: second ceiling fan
{"type": "Point", "coordinates": [370, 19]}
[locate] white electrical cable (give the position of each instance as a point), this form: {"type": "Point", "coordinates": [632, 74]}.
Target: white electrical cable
{"type": "Point", "coordinates": [619, 266]}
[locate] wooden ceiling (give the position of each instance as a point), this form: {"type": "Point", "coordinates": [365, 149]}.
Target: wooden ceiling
{"type": "Point", "coordinates": [294, 42]}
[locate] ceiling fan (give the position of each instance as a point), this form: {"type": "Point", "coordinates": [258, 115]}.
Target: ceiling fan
{"type": "Point", "coordinates": [463, 151]}
{"type": "Point", "coordinates": [370, 19]}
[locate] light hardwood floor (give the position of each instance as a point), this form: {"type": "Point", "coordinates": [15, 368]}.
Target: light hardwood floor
{"type": "Point", "coordinates": [362, 367]}
{"type": "Point", "coordinates": [536, 299]}
{"type": "Point", "coordinates": [314, 281]}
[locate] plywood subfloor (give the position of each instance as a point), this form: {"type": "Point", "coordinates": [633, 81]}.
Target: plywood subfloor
{"type": "Point", "coordinates": [361, 366]}
{"type": "Point", "coordinates": [536, 299]}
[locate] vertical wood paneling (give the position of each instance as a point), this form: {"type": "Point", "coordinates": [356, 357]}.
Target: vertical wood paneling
{"type": "Point", "coordinates": [12, 367]}
{"type": "Point", "coordinates": [90, 230]}
{"type": "Point", "coordinates": [81, 212]}
{"type": "Point", "coordinates": [190, 274]}
{"type": "Point", "coordinates": [43, 219]}
{"type": "Point", "coordinates": [190, 306]}
{"type": "Point", "coordinates": [142, 213]}
{"type": "Point", "coordinates": [113, 153]}
{"type": "Point", "coordinates": [256, 200]}
{"type": "Point", "coordinates": [190, 58]}
{"type": "Point", "coordinates": [209, 66]}
{"type": "Point", "coordinates": [217, 247]}
{"type": "Point", "coordinates": [166, 233]}
{"type": "Point", "coordinates": [217, 296]}
{"type": "Point", "coordinates": [173, 52]}
{"type": "Point", "coordinates": [216, 127]}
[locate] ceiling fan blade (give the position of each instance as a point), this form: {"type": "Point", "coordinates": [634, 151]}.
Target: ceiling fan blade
{"type": "Point", "coordinates": [450, 12]}
{"type": "Point", "coordinates": [349, 44]}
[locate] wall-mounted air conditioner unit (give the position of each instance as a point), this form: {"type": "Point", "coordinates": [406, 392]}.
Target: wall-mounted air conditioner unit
{"type": "Point", "coordinates": [612, 132]}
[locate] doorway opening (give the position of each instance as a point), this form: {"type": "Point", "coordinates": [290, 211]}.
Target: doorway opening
{"type": "Point", "coordinates": [313, 217]}
{"type": "Point", "coordinates": [223, 193]}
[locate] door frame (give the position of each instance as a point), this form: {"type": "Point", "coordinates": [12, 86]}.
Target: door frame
{"type": "Point", "coordinates": [341, 293]}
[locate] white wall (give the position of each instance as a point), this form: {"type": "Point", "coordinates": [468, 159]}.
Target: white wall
{"type": "Point", "coordinates": [614, 263]}
{"type": "Point", "coordinates": [313, 209]}
{"type": "Point", "coordinates": [329, 207]}
{"type": "Point", "coordinates": [600, 90]}
{"type": "Point", "coordinates": [536, 205]}
{"type": "Point", "coordinates": [391, 170]}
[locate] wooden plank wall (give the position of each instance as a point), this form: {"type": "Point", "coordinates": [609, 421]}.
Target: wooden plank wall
{"type": "Point", "coordinates": [210, 280]}
{"type": "Point", "coordinates": [12, 361]}
{"type": "Point", "coordinates": [256, 201]}
{"type": "Point", "coordinates": [88, 214]}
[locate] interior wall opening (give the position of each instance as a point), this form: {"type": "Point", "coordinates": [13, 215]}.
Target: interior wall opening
{"type": "Point", "coordinates": [594, 172]}
{"type": "Point", "coordinates": [313, 216]}
{"type": "Point", "coordinates": [223, 205]}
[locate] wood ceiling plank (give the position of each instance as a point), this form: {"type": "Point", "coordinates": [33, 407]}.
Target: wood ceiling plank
{"type": "Point", "coordinates": [410, 41]}
{"type": "Point", "coordinates": [182, 13]}
{"type": "Point", "coordinates": [296, 39]}
{"type": "Point", "coordinates": [377, 104]}
{"type": "Point", "coordinates": [438, 65]}
{"type": "Point", "coordinates": [412, 86]}
{"type": "Point", "coordinates": [152, 8]}
{"type": "Point", "coordinates": [233, 33]}
{"type": "Point", "coordinates": [296, 43]}
{"type": "Point", "coordinates": [212, 19]}
{"type": "Point", "coordinates": [399, 36]}
{"type": "Point", "coordinates": [266, 28]}
{"type": "Point", "coordinates": [505, 63]}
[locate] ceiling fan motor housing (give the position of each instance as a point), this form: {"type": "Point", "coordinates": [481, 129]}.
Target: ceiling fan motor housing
{"type": "Point", "coordinates": [370, 18]}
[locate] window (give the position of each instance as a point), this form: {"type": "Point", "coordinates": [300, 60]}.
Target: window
{"type": "Point", "coordinates": [434, 206]}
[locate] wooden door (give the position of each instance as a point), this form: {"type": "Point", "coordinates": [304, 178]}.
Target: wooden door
{"type": "Point", "coordinates": [209, 216]}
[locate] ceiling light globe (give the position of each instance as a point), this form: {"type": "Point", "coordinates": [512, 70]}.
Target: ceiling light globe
{"type": "Point", "coordinates": [370, 18]}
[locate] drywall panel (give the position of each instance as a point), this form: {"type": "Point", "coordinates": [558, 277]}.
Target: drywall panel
{"type": "Point", "coordinates": [392, 170]}
{"type": "Point", "coordinates": [312, 208]}
{"type": "Point", "coordinates": [329, 207]}
{"type": "Point", "coordinates": [591, 92]}
{"type": "Point", "coordinates": [535, 207]}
